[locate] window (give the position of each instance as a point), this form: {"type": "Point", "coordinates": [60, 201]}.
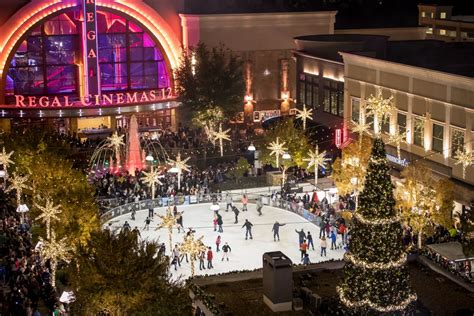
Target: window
{"type": "Point", "coordinates": [429, 30]}
{"type": "Point", "coordinates": [419, 132]}
{"type": "Point", "coordinates": [442, 15]}
{"type": "Point", "coordinates": [457, 141]}
{"type": "Point", "coordinates": [369, 119]}
{"type": "Point", "coordinates": [333, 101]}
{"type": "Point", "coordinates": [432, 15]}
{"type": "Point", "coordinates": [423, 14]}
{"type": "Point", "coordinates": [355, 110]}
{"type": "Point", "coordinates": [442, 32]}
{"type": "Point", "coordinates": [302, 92]}
{"type": "Point", "coordinates": [402, 123]}
{"type": "Point", "coordinates": [315, 95]}
{"type": "Point", "coordinates": [437, 142]}
{"type": "Point", "coordinates": [309, 90]}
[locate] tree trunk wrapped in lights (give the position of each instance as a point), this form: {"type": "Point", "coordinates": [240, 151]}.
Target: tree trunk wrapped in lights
{"type": "Point", "coordinates": [376, 278]}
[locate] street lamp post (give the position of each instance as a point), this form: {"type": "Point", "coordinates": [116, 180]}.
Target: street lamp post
{"type": "Point", "coordinates": [150, 159]}
{"type": "Point", "coordinates": [286, 156]}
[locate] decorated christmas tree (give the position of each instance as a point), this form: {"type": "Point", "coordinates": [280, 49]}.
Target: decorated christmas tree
{"type": "Point", "coordinates": [376, 278]}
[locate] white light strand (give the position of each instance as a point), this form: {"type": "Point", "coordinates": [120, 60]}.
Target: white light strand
{"type": "Point", "coordinates": [376, 266]}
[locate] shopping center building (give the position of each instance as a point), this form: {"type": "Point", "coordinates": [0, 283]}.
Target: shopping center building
{"type": "Point", "coordinates": [79, 65]}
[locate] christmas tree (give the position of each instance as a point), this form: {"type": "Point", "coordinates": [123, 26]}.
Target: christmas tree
{"type": "Point", "coordinates": [376, 277]}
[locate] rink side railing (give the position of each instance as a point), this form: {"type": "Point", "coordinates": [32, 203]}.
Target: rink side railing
{"type": "Point", "coordinates": [208, 198]}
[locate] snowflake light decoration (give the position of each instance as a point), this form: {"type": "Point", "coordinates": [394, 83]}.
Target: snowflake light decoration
{"type": "Point", "coordinates": [360, 129]}
{"type": "Point", "coordinates": [465, 159]}
{"type": "Point", "coordinates": [180, 165]}
{"type": "Point", "coordinates": [55, 251]}
{"type": "Point", "coordinates": [18, 183]}
{"type": "Point", "coordinates": [277, 149]}
{"type": "Point", "coordinates": [305, 114]}
{"type": "Point", "coordinates": [380, 108]}
{"type": "Point", "coordinates": [397, 139]}
{"type": "Point", "coordinates": [221, 136]}
{"type": "Point", "coordinates": [5, 160]}
{"type": "Point", "coordinates": [48, 213]}
{"type": "Point", "coordinates": [150, 178]}
{"type": "Point", "coordinates": [168, 221]}
{"type": "Point", "coordinates": [193, 247]}
{"type": "Point", "coordinates": [315, 160]}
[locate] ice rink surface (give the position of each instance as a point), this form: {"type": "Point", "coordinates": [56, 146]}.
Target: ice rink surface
{"type": "Point", "coordinates": [245, 254]}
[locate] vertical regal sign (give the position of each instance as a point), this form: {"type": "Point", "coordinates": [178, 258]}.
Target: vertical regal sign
{"type": "Point", "coordinates": [89, 43]}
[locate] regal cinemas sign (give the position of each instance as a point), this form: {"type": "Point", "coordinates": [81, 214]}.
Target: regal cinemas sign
{"type": "Point", "coordinates": [109, 99]}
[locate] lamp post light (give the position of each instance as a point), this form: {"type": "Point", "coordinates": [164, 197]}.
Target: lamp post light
{"type": "Point", "coordinates": [251, 147]}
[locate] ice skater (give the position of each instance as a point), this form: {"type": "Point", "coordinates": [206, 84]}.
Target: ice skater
{"type": "Point", "coordinates": [226, 251]}
{"type": "Point", "coordinates": [148, 220]}
{"type": "Point", "coordinates": [228, 200]}
{"type": "Point", "coordinates": [176, 254]}
{"type": "Point", "coordinates": [219, 223]}
{"type": "Point", "coordinates": [245, 200]}
{"type": "Point", "coordinates": [309, 237]}
{"type": "Point", "coordinates": [305, 260]}
{"type": "Point", "coordinates": [179, 221]}
{"type": "Point", "coordinates": [333, 240]}
{"type": "Point", "coordinates": [151, 212]}
{"type": "Point", "coordinates": [248, 229]}
{"type": "Point", "coordinates": [236, 213]}
{"type": "Point", "coordinates": [218, 243]}
{"type": "Point", "coordinates": [126, 227]}
{"type": "Point", "coordinates": [303, 248]}
{"type": "Point", "coordinates": [209, 258]}
{"type": "Point", "coordinates": [276, 230]}
{"type": "Point", "coordinates": [301, 236]}
{"type": "Point", "coordinates": [259, 206]}
{"type": "Point", "coordinates": [132, 214]}
{"type": "Point", "coordinates": [324, 245]}
{"type": "Point", "coordinates": [202, 257]}
{"type": "Point", "coordinates": [174, 262]}
{"type": "Point", "coordinates": [214, 222]}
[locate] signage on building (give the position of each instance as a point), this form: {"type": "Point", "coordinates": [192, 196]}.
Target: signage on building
{"type": "Point", "coordinates": [97, 100]}
{"type": "Point", "coordinates": [338, 140]}
{"type": "Point", "coordinates": [90, 48]}
{"type": "Point", "coordinates": [399, 161]}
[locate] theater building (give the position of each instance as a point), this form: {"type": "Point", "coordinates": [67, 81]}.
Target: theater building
{"type": "Point", "coordinates": [80, 65]}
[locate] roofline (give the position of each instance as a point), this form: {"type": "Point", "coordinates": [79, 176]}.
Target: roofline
{"type": "Point", "coordinates": [263, 14]}
{"type": "Point", "coordinates": [305, 54]}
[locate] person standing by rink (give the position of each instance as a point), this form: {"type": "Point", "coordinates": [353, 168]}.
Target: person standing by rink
{"type": "Point", "coordinates": [245, 201]}
{"type": "Point", "coordinates": [228, 200]}
{"type": "Point", "coordinates": [226, 250]}
{"type": "Point", "coordinates": [209, 258]}
{"type": "Point", "coordinates": [276, 230]}
{"type": "Point", "coordinates": [259, 206]}
{"type": "Point", "coordinates": [147, 223]}
{"type": "Point", "coordinates": [324, 245]}
{"type": "Point", "coordinates": [236, 213]}
{"type": "Point", "coordinates": [248, 229]}
{"type": "Point", "coordinates": [132, 214]}
{"type": "Point", "coordinates": [176, 254]}
{"type": "Point", "coordinates": [151, 211]}
{"type": "Point", "coordinates": [218, 243]}
{"type": "Point", "coordinates": [202, 257]}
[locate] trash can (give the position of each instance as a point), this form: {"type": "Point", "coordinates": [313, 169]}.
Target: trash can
{"type": "Point", "coordinates": [277, 281]}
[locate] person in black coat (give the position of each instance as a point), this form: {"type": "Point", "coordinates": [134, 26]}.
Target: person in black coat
{"type": "Point", "coordinates": [248, 229]}
{"type": "Point", "coordinates": [301, 236]}
{"type": "Point", "coordinates": [219, 222]}
{"type": "Point", "coordinates": [276, 230]}
{"type": "Point", "coordinates": [236, 213]}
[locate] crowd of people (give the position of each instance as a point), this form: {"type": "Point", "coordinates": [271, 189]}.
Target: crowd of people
{"type": "Point", "coordinates": [23, 272]}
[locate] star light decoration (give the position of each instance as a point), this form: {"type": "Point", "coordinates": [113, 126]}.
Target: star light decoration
{"type": "Point", "coordinates": [55, 251]}
{"type": "Point", "coordinates": [193, 247]}
{"type": "Point", "coordinates": [221, 136]}
{"type": "Point", "coordinates": [115, 142]}
{"type": "Point", "coordinates": [465, 159]}
{"type": "Point", "coordinates": [277, 149]}
{"type": "Point", "coordinates": [360, 129]}
{"type": "Point", "coordinates": [315, 160]}
{"type": "Point", "coordinates": [5, 160]}
{"type": "Point", "coordinates": [168, 221]}
{"type": "Point", "coordinates": [380, 108]}
{"type": "Point", "coordinates": [18, 183]}
{"type": "Point", "coordinates": [209, 130]}
{"type": "Point", "coordinates": [180, 165]}
{"type": "Point", "coordinates": [304, 115]}
{"type": "Point", "coordinates": [48, 213]}
{"type": "Point", "coordinates": [397, 139]}
{"type": "Point", "coordinates": [150, 178]}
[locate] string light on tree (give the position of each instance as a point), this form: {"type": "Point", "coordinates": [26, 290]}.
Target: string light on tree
{"type": "Point", "coordinates": [55, 251]}
{"type": "Point", "coordinates": [150, 178]}
{"type": "Point", "coordinates": [221, 136]}
{"type": "Point", "coordinates": [5, 160]}
{"type": "Point", "coordinates": [315, 160]}
{"type": "Point", "coordinates": [18, 183]}
{"type": "Point", "coordinates": [277, 149]}
{"type": "Point", "coordinates": [397, 139]}
{"type": "Point", "coordinates": [48, 213]}
{"type": "Point", "coordinates": [380, 108]}
{"type": "Point", "coordinates": [304, 115]}
{"type": "Point", "coordinates": [179, 166]}
{"type": "Point", "coordinates": [465, 159]}
{"type": "Point", "coordinates": [193, 247]}
{"type": "Point", "coordinates": [168, 221]}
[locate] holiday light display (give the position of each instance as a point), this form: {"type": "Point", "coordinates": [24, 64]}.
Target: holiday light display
{"type": "Point", "coordinates": [360, 129]}
{"type": "Point", "coordinates": [5, 160]}
{"type": "Point", "coordinates": [380, 108]}
{"type": "Point", "coordinates": [55, 251]}
{"type": "Point", "coordinates": [48, 213]}
{"type": "Point", "coordinates": [18, 183]}
{"type": "Point", "coordinates": [220, 136]}
{"type": "Point", "coordinates": [465, 159]}
{"type": "Point", "coordinates": [168, 221]}
{"type": "Point", "coordinates": [315, 160]}
{"type": "Point", "coordinates": [150, 179]}
{"type": "Point", "coordinates": [179, 166]}
{"type": "Point", "coordinates": [193, 247]}
{"type": "Point", "coordinates": [304, 115]}
{"type": "Point", "coordinates": [115, 142]}
{"type": "Point", "coordinates": [278, 150]}
{"type": "Point", "coordinates": [376, 278]}
{"type": "Point", "coordinates": [397, 139]}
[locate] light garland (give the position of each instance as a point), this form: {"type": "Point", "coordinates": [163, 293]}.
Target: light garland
{"type": "Point", "coordinates": [464, 158]}
{"type": "Point", "coordinates": [48, 213]}
{"type": "Point", "coordinates": [277, 149]}
{"type": "Point", "coordinates": [5, 160]}
{"type": "Point", "coordinates": [304, 115]}
{"type": "Point", "coordinates": [18, 183]}
{"type": "Point", "coordinates": [365, 302]}
{"type": "Point", "coordinates": [366, 221]}
{"type": "Point", "coordinates": [380, 108]}
{"type": "Point", "coordinates": [376, 266]}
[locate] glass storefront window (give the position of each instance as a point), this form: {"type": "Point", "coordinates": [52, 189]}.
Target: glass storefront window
{"type": "Point", "coordinates": [355, 108]}
{"type": "Point", "coordinates": [419, 132]}
{"type": "Point", "coordinates": [457, 141]}
{"type": "Point", "coordinates": [402, 123]}
{"type": "Point", "coordinates": [437, 140]}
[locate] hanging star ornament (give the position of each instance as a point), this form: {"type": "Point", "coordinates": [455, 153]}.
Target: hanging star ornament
{"type": "Point", "coordinates": [304, 115]}
{"type": "Point", "coordinates": [277, 149]}
{"type": "Point", "coordinates": [209, 130]}
{"type": "Point", "coordinates": [180, 164]}
{"type": "Point", "coordinates": [221, 136]}
{"type": "Point", "coordinates": [397, 139]}
{"type": "Point", "coordinates": [360, 129]}
{"type": "Point", "coordinates": [18, 183]}
{"type": "Point", "coordinates": [48, 213]}
{"type": "Point", "coordinates": [380, 108]}
{"type": "Point", "coordinates": [150, 178]}
{"type": "Point", "coordinates": [465, 159]}
{"type": "Point", "coordinates": [55, 251]}
{"type": "Point", "coordinates": [115, 141]}
{"type": "Point", "coordinates": [315, 160]}
{"type": "Point", "coordinates": [5, 160]}
{"type": "Point", "coordinates": [193, 247]}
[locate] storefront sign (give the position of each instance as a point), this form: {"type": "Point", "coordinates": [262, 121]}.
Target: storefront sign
{"type": "Point", "coordinates": [109, 99]}
{"type": "Point", "coordinates": [90, 47]}
{"type": "Point", "coordinates": [402, 162]}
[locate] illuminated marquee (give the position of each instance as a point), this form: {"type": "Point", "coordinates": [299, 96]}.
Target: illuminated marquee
{"type": "Point", "coordinates": [108, 99]}
{"type": "Point", "coordinates": [90, 47]}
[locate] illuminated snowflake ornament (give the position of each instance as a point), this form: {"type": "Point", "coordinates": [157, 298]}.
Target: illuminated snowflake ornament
{"type": "Point", "coordinates": [5, 160]}
{"type": "Point", "coordinates": [380, 108]}
{"type": "Point", "coordinates": [18, 183]}
{"type": "Point", "coordinates": [178, 166]}
{"type": "Point", "coordinates": [305, 114]}
{"type": "Point", "coordinates": [397, 139]}
{"type": "Point", "coordinates": [168, 221]}
{"type": "Point", "coordinates": [150, 179]}
{"type": "Point", "coordinates": [360, 129]}
{"type": "Point", "coordinates": [277, 149]}
{"type": "Point", "coordinates": [465, 159]}
{"type": "Point", "coordinates": [55, 251]}
{"type": "Point", "coordinates": [193, 247]}
{"type": "Point", "coordinates": [221, 136]}
{"type": "Point", "coordinates": [315, 160]}
{"type": "Point", "coordinates": [48, 213]}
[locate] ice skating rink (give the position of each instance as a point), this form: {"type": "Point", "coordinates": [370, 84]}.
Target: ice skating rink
{"type": "Point", "coordinates": [246, 254]}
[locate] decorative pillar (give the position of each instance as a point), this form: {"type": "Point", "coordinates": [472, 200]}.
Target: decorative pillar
{"type": "Point", "coordinates": [284, 86]}
{"type": "Point", "coordinates": [447, 130]}
{"type": "Point", "coordinates": [428, 132]}
{"type": "Point", "coordinates": [248, 106]}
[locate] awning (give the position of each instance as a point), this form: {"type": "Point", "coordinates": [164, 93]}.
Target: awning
{"type": "Point", "coordinates": [450, 250]}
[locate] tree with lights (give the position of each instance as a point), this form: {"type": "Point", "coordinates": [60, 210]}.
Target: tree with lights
{"type": "Point", "coordinates": [376, 278]}
{"type": "Point", "coordinates": [424, 202]}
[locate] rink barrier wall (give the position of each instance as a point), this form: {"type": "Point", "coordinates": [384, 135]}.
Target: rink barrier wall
{"type": "Point", "coordinates": [208, 198]}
